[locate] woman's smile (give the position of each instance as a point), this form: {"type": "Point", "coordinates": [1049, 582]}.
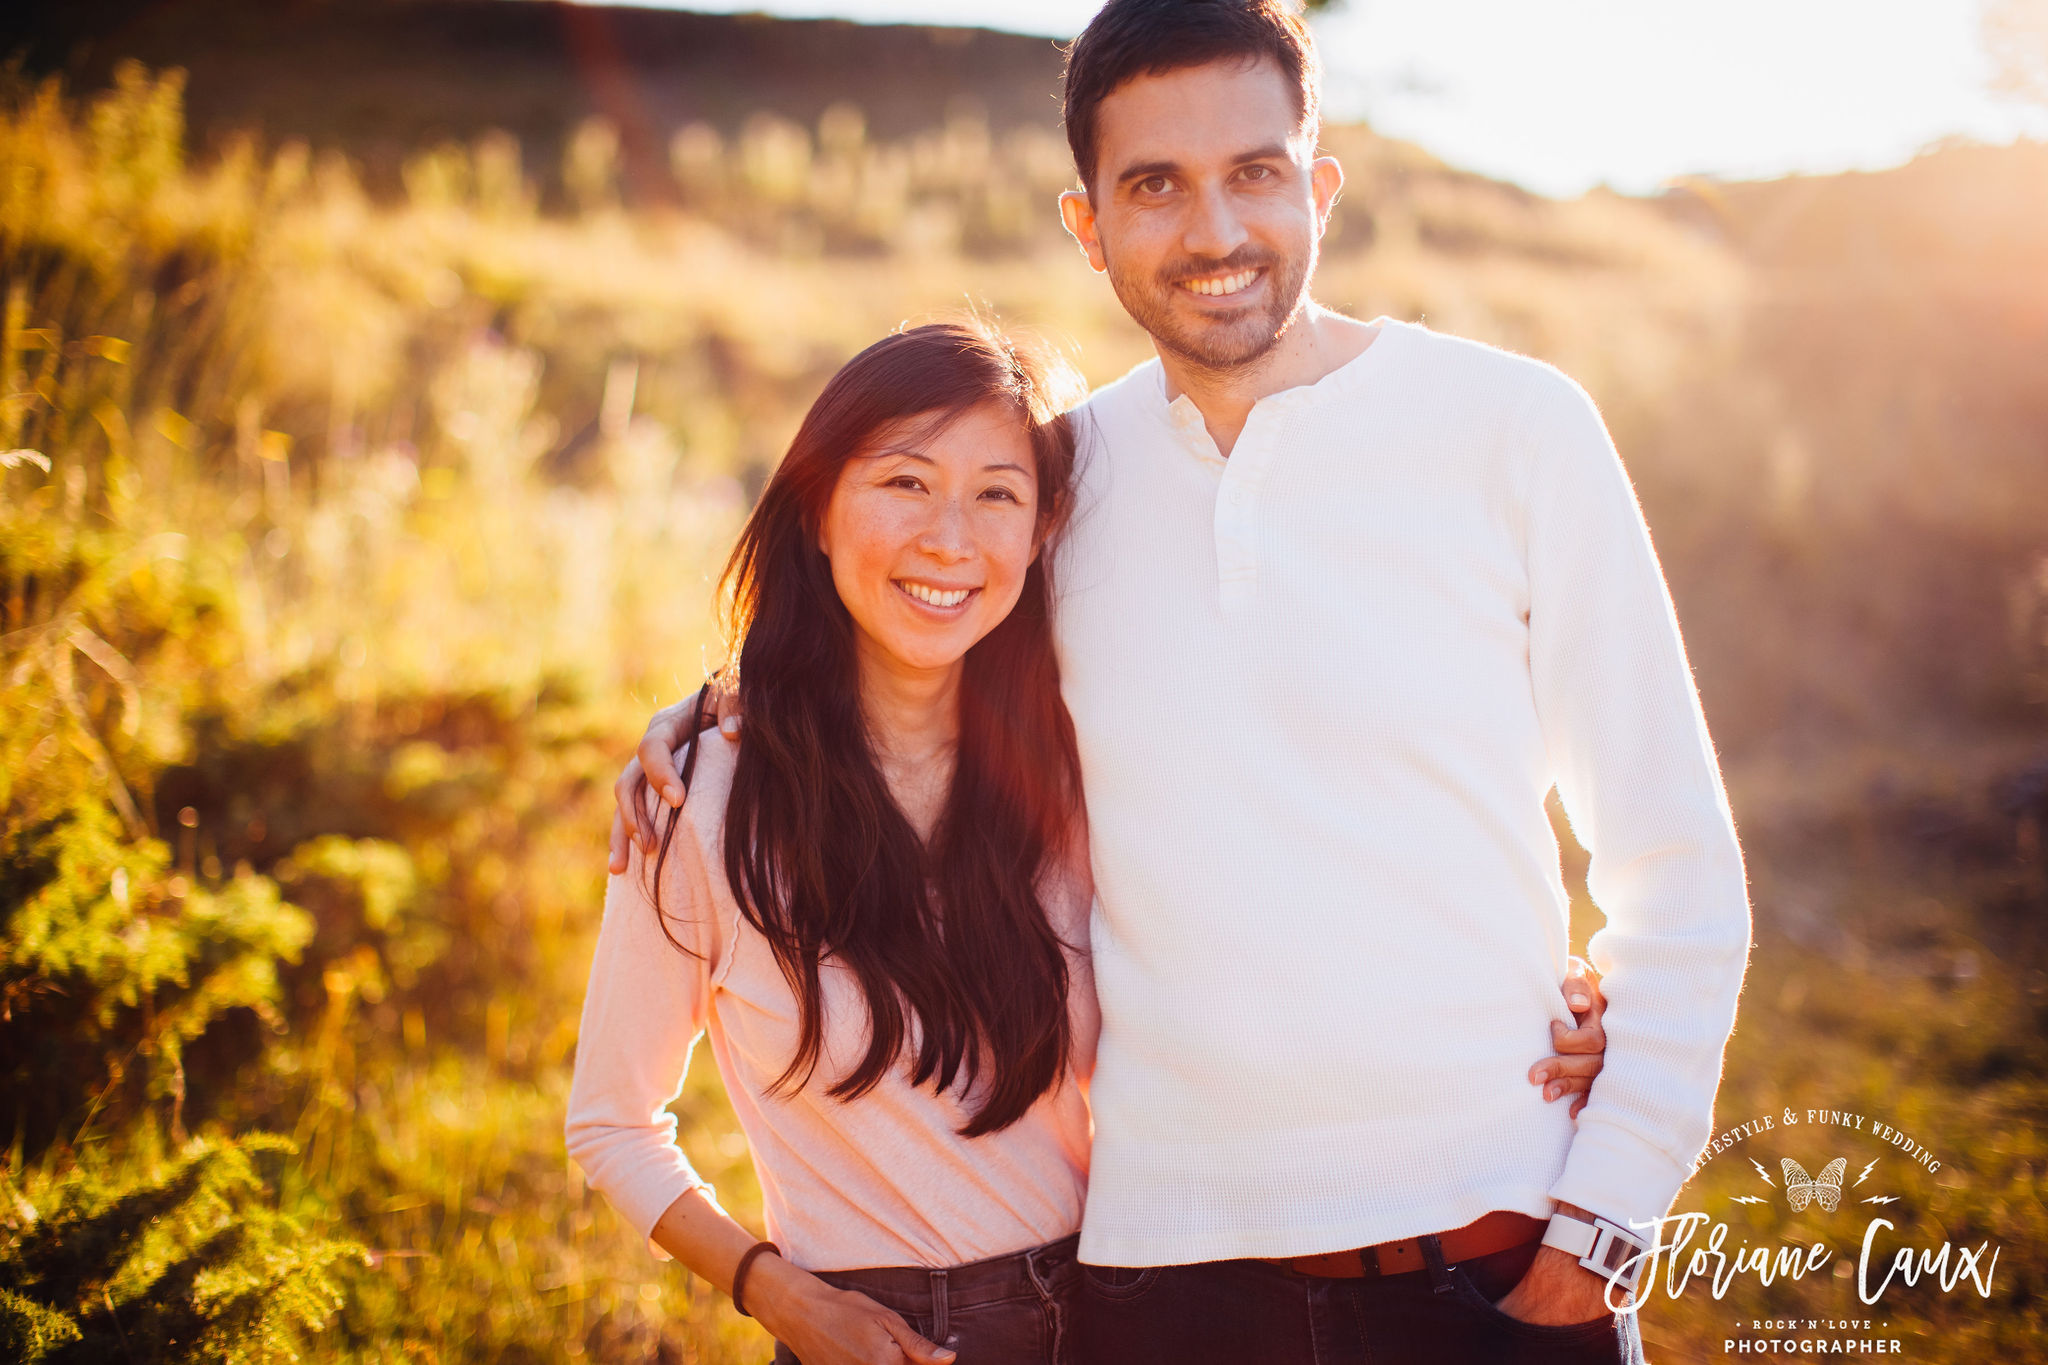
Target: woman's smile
{"type": "Point", "coordinates": [936, 597]}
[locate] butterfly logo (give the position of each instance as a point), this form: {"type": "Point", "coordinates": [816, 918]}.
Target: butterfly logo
{"type": "Point", "coordinates": [1824, 1189]}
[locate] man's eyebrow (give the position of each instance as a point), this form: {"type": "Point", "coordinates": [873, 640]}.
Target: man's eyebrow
{"type": "Point", "coordinates": [1145, 170]}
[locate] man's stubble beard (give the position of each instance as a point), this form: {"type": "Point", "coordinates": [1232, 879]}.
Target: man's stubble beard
{"type": "Point", "coordinates": [1221, 349]}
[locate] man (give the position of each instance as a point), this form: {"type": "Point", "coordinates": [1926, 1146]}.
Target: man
{"type": "Point", "coordinates": [1339, 604]}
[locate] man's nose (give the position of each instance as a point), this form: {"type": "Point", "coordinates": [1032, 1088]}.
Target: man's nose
{"type": "Point", "coordinates": [1213, 228]}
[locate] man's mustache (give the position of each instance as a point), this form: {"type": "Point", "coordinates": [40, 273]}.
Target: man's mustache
{"type": "Point", "coordinates": [1228, 265]}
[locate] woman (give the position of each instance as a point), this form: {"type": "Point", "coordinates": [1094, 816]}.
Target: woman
{"type": "Point", "coordinates": [876, 905]}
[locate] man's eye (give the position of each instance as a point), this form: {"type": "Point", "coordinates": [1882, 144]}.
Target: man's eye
{"type": "Point", "coordinates": [1258, 172]}
{"type": "Point", "coordinates": [1153, 184]}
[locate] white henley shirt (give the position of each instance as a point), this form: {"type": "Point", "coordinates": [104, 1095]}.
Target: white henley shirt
{"type": "Point", "coordinates": [1322, 688]}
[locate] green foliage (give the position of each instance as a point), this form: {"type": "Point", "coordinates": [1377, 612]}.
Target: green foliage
{"type": "Point", "coordinates": [187, 1259]}
{"type": "Point", "coordinates": [252, 879]}
{"type": "Point", "coordinates": [115, 957]}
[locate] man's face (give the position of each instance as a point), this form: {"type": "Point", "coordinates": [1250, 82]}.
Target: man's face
{"type": "Point", "coordinates": [1207, 208]}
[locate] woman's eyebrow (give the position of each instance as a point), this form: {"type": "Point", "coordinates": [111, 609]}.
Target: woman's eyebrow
{"type": "Point", "coordinates": [1018, 468]}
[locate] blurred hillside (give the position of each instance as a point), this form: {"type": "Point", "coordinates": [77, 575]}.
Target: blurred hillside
{"type": "Point", "coordinates": [351, 525]}
{"type": "Point", "coordinates": [382, 79]}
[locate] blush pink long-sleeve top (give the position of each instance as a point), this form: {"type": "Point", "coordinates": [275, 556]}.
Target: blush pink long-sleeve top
{"type": "Point", "coordinates": [885, 1179]}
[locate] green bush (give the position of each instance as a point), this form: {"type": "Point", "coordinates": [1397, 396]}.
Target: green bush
{"type": "Point", "coordinates": [187, 1259]}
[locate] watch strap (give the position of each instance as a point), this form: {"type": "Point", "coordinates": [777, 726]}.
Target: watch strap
{"type": "Point", "coordinates": [1604, 1247]}
{"type": "Point", "coordinates": [1573, 1236]}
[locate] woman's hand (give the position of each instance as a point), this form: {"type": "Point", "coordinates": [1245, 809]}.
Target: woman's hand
{"type": "Point", "coordinates": [656, 763]}
{"type": "Point", "coordinates": [1582, 1051]}
{"type": "Point", "coordinates": [827, 1326]}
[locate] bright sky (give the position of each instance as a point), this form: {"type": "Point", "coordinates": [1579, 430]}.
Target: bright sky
{"type": "Point", "coordinates": [1561, 95]}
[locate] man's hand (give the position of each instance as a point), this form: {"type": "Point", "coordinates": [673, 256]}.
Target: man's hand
{"type": "Point", "coordinates": [1557, 1291]}
{"type": "Point", "coordinates": [656, 765]}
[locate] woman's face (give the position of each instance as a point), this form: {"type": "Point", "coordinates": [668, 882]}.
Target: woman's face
{"type": "Point", "coordinates": [930, 534]}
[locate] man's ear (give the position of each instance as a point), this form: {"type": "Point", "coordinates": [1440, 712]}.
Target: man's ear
{"type": "Point", "coordinates": [1326, 182]}
{"type": "Point", "coordinates": [1077, 211]}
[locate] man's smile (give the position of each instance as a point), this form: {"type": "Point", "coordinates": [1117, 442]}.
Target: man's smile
{"type": "Point", "coordinates": [1222, 286]}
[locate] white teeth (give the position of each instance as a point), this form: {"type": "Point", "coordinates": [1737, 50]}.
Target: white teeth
{"type": "Point", "coordinates": [1224, 284]}
{"type": "Point", "coordinates": [935, 596]}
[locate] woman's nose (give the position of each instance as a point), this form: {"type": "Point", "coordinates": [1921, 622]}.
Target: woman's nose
{"type": "Point", "coordinates": [946, 536]}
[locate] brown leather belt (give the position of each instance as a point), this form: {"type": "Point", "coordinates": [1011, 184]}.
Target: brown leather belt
{"type": "Point", "coordinates": [1496, 1231]}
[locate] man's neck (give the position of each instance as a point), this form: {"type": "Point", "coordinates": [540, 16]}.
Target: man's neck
{"type": "Point", "coordinates": [1319, 341]}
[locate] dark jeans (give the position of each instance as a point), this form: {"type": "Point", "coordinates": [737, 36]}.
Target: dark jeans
{"type": "Point", "coordinates": [1007, 1310]}
{"type": "Point", "coordinates": [1238, 1312]}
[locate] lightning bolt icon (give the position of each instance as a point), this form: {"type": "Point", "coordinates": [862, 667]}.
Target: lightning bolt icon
{"type": "Point", "coordinates": [1764, 1173]}
{"type": "Point", "coordinates": [1866, 1172]}
{"type": "Point", "coordinates": [1882, 1199]}
{"type": "Point", "coordinates": [1748, 1199]}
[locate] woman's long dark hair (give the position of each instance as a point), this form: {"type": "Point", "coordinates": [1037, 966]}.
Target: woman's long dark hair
{"type": "Point", "coordinates": [963, 977]}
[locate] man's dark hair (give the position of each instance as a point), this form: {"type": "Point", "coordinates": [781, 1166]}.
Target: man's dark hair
{"type": "Point", "coordinates": [1131, 38]}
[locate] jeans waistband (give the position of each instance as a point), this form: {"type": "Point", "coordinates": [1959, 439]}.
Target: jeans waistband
{"type": "Point", "coordinates": [925, 1291]}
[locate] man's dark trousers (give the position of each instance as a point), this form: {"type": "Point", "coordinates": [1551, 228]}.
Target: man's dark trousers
{"type": "Point", "coordinates": [1254, 1313]}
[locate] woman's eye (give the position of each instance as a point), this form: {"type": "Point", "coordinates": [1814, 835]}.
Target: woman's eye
{"type": "Point", "coordinates": [904, 481]}
{"type": "Point", "coordinates": [1003, 494]}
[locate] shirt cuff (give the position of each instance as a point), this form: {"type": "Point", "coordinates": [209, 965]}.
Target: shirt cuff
{"type": "Point", "coordinates": [649, 1195]}
{"type": "Point", "coordinates": [1617, 1175]}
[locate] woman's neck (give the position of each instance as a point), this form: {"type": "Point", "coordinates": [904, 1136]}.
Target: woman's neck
{"type": "Point", "coordinates": [913, 720]}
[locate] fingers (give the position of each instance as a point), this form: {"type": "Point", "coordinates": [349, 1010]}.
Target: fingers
{"type": "Point", "coordinates": [621, 845]}
{"type": "Point", "coordinates": [1581, 986]}
{"type": "Point", "coordinates": [657, 757]}
{"type": "Point", "coordinates": [1584, 1067]}
{"type": "Point", "coordinates": [1581, 1053]}
{"type": "Point", "coordinates": [916, 1348]}
{"type": "Point", "coordinates": [1599, 992]}
{"type": "Point", "coordinates": [1561, 1076]}
{"type": "Point", "coordinates": [630, 824]}
{"type": "Point", "coordinates": [629, 795]}
{"type": "Point", "coordinates": [1587, 1038]}
{"type": "Point", "coordinates": [1580, 1103]}
{"type": "Point", "coordinates": [670, 728]}
{"type": "Point", "coordinates": [654, 765]}
{"type": "Point", "coordinates": [724, 707]}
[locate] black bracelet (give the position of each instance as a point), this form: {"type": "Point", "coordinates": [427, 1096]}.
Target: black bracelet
{"type": "Point", "coordinates": [739, 1275]}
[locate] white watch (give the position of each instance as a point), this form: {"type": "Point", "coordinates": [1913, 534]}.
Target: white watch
{"type": "Point", "coordinates": [1607, 1249]}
